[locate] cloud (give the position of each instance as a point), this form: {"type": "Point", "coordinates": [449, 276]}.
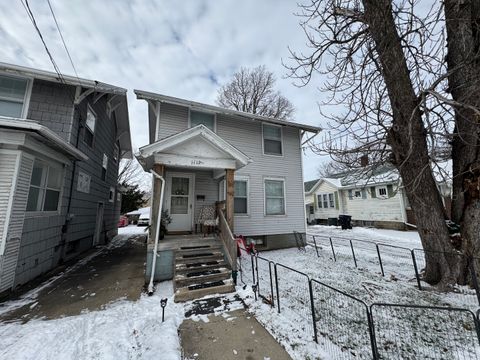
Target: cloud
{"type": "Point", "coordinates": [184, 49]}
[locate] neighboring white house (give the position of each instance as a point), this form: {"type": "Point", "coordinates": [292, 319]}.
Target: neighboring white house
{"type": "Point", "coordinates": [371, 197]}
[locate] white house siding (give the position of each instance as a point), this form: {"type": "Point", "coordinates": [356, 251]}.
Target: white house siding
{"type": "Point", "coordinates": [246, 135]}
{"type": "Point", "coordinates": [374, 209]}
{"type": "Point", "coordinates": [320, 212]}
{"type": "Point", "coordinates": [20, 182]}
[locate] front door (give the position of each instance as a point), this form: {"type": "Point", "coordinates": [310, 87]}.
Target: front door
{"type": "Point", "coordinates": [179, 201]}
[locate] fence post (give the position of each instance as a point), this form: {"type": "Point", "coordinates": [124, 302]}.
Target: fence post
{"type": "Point", "coordinates": [276, 286]}
{"type": "Point", "coordinates": [473, 274]}
{"type": "Point", "coordinates": [253, 268]}
{"type": "Point", "coordinates": [312, 304]}
{"type": "Point", "coordinates": [271, 282]}
{"type": "Point", "coordinates": [371, 330]}
{"type": "Point", "coordinates": [416, 270]}
{"type": "Point", "coordinates": [353, 253]}
{"type": "Point", "coordinates": [333, 251]}
{"type": "Point", "coordinates": [380, 259]}
{"type": "Point", "coordinates": [315, 243]}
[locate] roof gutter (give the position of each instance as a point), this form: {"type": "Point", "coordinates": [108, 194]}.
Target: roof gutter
{"type": "Point", "coordinates": [33, 126]}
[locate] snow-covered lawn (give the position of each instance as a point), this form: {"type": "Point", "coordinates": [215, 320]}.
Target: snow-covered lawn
{"type": "Point", "coordinates": [344, 292]}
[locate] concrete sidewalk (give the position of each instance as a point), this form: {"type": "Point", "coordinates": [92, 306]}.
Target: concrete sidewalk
{"type": "Point", "coordinates": [114, 274]}
{"type": "Point", "coordinates": [232, 335]}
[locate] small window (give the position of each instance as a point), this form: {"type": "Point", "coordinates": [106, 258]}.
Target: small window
{"type": "Point", "coordinates": [45, 187]}
{"type": "Point", "coordinates": [111, 194]}
{"type": "Point", "coordinates": [90, 123]}
{"type": "Point", "coordinates": [222, 194]}
{"type": "Point", "coordinates": [319, 200]}
{"type": "Point", "coordinates": [240, 203]}
{"type": "Point", "coordinates": [272, 140]}
{"type": "Point", "coordinates": [12, 96]}
{"type": "Point", "coordinates": [207, 119]}
{"type": "Point", "coordinates": [358, 194]}
{"type": "Point", "coordinates": [382, 192]}
{"type": "Point", "coordinates": [274, 197]}
{"type": "Point", "coordinates": [311, 210]}
{"type": "Point", "coordinates": [325, 201]}
{"type": "Point", "coordinates": [104, 167]}
{"type": "Point", "coordinates": [331, 200]}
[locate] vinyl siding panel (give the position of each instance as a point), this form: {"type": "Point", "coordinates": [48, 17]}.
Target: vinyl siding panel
{"type": "Point", "coordinates": [173, 119]}
{"type": "Point", "coordinates": [374, 209]}
{"type": "Point", "coordinates": [10, 257]}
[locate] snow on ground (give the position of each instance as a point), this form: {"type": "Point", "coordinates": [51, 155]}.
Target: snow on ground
{"type": "Point", "coordinates": [341, 320]}
{"type": "Point", "coordinates": [133, 230]}
{"type": "Point", "coordinates": [124, 330]}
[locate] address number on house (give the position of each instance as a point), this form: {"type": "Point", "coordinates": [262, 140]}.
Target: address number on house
{"type": "Point", "coordinates": [196, 162]}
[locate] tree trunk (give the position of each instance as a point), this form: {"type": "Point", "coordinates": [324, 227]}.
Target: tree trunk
{"type": "Point", "coordinates": [463, 44]}
{"type": "Point", "coordinates": [407, 138]}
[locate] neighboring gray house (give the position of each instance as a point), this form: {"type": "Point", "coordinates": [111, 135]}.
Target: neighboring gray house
{"type": "Point", "coordinates": [200, 144]}
{"type": "Point", "coordinates": [61, 140]}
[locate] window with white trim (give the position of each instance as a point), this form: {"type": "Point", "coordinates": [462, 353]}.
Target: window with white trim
{"type": "Point", "coordinates": [207, 119]}
{"type": "Point", "coordinates": [274, 197]}
{"type": "Point", "coordinates": [104, 167]}
{"type": "Point", "coordinates": [240, 201]}
{"type": "Point", "coordinates": [45, 187]}
{"type": "Point", "coordinates": [111, 194]}
{"type": "Point", "coordinates": [90, 124]}
{"type": "Point", "coordinates": [116, 152]}
{"type": "Point", "coordinates": [331, 200]}
{"type": "Point", "coordinates": [326, 201]}
{"type": "Point", "coordinates": [272, 140]}
{"type": "Point", "coordinates": [13, 93]}
{"type": "Point", "coordinates": [382, 192]}
{"type": "Point", "coordinates": [357, 194]}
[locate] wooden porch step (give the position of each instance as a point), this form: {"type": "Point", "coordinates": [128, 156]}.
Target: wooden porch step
{"type": "Point", "coordinates": [196, 291]}
{"type": "Point", "coordinates": [204, 256]}
{"type": "Point", "coordinates": [198, 249]}
{"type": "Point", "coordinates": [199, 266]}
{"type": "Point", "coordinates": [202, 276]}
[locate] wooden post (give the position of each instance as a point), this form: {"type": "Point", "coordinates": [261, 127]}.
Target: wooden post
{"type": "Point", "coordinates": [157, 187]}
{"type": "Point", "coordinates": [230, 182]}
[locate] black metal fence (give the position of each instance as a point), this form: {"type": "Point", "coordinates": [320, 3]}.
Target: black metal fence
{"type": "Point", "coordinates": [396, 262]}
{"type": "Point", "coordinates": [347, 328]}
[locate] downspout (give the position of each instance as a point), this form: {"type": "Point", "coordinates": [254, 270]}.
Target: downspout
{"type": "Point", "coordinates": [157, 233]}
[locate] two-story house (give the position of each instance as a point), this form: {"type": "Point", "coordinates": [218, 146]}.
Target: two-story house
{"type": "Point", "coordinates": [208, 154]}
{"type": "Point", "coordinates": [61, 140]}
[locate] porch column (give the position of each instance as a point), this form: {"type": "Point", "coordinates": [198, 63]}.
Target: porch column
{"type": "Point", "coordinates": [157, 187]}
{"type": "Point", "coordinates": [230, 182]}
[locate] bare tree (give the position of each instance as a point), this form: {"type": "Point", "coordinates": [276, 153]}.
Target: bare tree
{"type": "Point", "coordinates": [129, 172]}
{"type": "Point", "coordinates": [385, 65]}
{"type": "Point", "coordinates": [252, 91]}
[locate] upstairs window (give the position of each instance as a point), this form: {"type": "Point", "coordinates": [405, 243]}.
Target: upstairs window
{"type": "Point", "coordinates": [104, 167]}
{"type": "Point", "coordinates": [240, 203]}
{"type": "Point", "coordinates": [12, 96]}
{"type": "Point", "coordinates": [272, 140]}
{"type": "Point", "coordinates": [45, 187]}
{"type": "Point", "coordinates": [382, 192]}
{"type": "Point", "coordinates": [207, 119]}
{"type": "Point", "coordinates": [90, 123]}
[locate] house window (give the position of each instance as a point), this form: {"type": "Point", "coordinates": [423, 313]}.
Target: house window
{"type": "Point", "coordinates": [325, 201]}
{"type": "Point", "coordinates": [274, 197]}
{"type": "Point", "coordinates": [45, 187]}
{"type": "Point", "coordinates": [331, 200]}
{"type": "Point", "coordinates": [357, 194]}
{"type": "Point", "coordinates": [240, 203]}
{"type": "Point", "coordinates": [272, 140]}
{"type": "Point", "coordinates": [207, 119]}
{"type": "Point", "coordinates": [311, 210]}
{"type": "Point", "coordinates": [90, 123]}
{"type": "Point", "coordinates": [111, 194]}
{"type": "Point", "coordinates": [222, 191]}
{"type": "Point", "coordinates": [382, 192]}
{"type": "Point", "coordinates": [319, 200]}
{"type": "Point", "coordinates": [104, 167]}
{"type": "Point", "coordinates": [13, 92]}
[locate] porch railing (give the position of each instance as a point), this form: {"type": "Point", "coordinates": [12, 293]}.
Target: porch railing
{"type": "Point", "coordinates": [227, 239]}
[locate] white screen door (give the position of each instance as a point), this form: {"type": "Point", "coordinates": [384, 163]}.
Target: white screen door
{"type": "Point", "coordinates": [180, 201]}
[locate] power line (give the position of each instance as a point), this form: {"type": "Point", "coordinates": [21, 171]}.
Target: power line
{"type": "Point", "coordinates": [29, 12]}
{"type": "Point", "coordinates": [63, 40]}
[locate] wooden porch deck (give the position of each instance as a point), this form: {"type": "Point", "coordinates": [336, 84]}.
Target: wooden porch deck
{"type": "Point", "coordinates": [175, 242]}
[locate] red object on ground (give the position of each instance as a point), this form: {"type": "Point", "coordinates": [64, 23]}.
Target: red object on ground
{"type": "Point", "coordinates": [123, 221]}
{"type": "Point", "coordinates": [242, 245]}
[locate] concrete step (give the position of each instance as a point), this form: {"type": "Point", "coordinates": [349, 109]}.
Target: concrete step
{"type": "Point", "coordinates": [198, 249]}
{"type": "Point", "coordinates": [199, 266]}
{"type": "Point", "coordinates": [196, 291]}
{"type": "Point", "coordinates": [200, 277]}
{"type": "Point", "coordinates": [203, 256]}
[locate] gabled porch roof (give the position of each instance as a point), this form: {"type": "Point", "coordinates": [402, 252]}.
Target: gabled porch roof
{"type": "Point", "coordinates": [197, 147]}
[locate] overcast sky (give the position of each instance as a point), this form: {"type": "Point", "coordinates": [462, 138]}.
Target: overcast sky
{"type": "Point", "coordinates": [184, 48]}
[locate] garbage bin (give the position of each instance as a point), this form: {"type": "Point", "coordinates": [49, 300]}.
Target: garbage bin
{"type": "Point", "coordinates": [345, 221]}
{"type": "Point", "coordinates": [332, 222]}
